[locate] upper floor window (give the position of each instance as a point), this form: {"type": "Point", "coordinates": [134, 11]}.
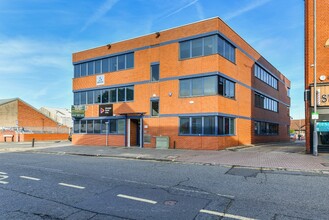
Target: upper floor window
{"type": "Point", "coordinates": [288, 92]}
{"type": "Point", "coordinates": [264, 102]}
{"type": "Point", "coordinates": [265, 76]}
{"type": "Point", "coordinates": [155, 72]}
{"type": "Point", "coordinates": [205, 46]}
{"type": "Point", "coordinates": [198, 47]}
{"type": "Point", "coordinates": [114, 63]}
{"type": "Point", "coordinates": [203, 86]}
{"type": "Point", "coordinates": [121, 94]}
{"type": "Point", "coordinates": [226, 49]}
{"type": "Point", "coordinates": [226, 88]}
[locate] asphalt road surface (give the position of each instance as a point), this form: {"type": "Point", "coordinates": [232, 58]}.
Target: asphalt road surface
{"type": "Point", "coordinates": [50, 186]}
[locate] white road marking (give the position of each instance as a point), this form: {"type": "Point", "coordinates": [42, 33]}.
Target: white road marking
{"type": "Point", "coordinates": [227, 196]}
{"type": "Point", "coordinates": [137, 199]}
{"type": "Point", "coordinates": [70, 185]}
{"type": "Point", "coordinates": [3, 173]}
{"type": "Point", "coordinates": [3, 177]}
{"type": "Point", "coordinates": [29, 178]}
{"type": "Point", "coordinates": [225, 215]}
{"type": "Point", "coordinates": [167, 187]}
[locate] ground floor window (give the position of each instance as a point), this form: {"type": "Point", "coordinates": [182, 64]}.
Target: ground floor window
{"type": "Point", "coordinates": [112, 126]}
{"type": "Point", "coordinates": [266, 128]}
{"type": "Point", "coordinates": [207, 125]}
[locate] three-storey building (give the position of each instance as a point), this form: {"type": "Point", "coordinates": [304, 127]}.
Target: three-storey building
{"type": "Point", "coordinates": [201, 85]}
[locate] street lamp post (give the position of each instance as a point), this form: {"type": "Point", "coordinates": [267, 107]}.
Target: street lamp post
{"type": "Point", "coordinates": [315, 133]}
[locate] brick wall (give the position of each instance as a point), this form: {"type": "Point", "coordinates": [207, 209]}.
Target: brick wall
{"type": "Point", "coordinates": [172, 66]}
{"type": "Point", "coordinates": [30, 117]}
{"type": "Point", "coordinates": [44, 137]}
{"type": "Point", "coordinates": [97, 140]}
{"type": "Point", "coordinates": [322, 32]}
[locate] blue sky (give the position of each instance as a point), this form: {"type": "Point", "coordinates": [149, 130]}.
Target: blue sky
{"type": "Point", "coordinates": [38, 37]}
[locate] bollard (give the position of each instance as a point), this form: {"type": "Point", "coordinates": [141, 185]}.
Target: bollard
{"type": "Point", "coordinates": [33, 142]}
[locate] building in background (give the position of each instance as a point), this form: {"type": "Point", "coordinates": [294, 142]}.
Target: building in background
{"type": "Point", "coordinates": [61, 115]}
{"type": "Point", "coordinates": [198, 86]}
{"type": "Point", "coordinates": [297, 128]}
{"type": "Point", "coordinates": [20, 121]}
{"type": "Point", "coordinates": [321, 67]}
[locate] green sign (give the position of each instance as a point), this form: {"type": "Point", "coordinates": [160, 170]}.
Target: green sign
{"type": "Point", "coordinates": [322, 126]}
{"type": "Point", "coordinates": [78, 111]}
{"type": "Point", "coordinates": [315, 115]}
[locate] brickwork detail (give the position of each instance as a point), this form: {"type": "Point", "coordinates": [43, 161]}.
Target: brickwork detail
{"type": "Point", "coordinates": [167, 90]}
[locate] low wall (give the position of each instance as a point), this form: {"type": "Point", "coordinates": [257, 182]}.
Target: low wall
{"type": "Point", "coordinates": [19, 137]}
{"type": "Point", "coordinates": [43, 137]}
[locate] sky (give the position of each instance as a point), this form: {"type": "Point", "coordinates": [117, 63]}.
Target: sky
{"type": "Point", "coordinates": [38, 37]}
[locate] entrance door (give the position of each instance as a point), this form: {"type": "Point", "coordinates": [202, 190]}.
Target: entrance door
{"type": "Point", "coordinates": [134, 132]}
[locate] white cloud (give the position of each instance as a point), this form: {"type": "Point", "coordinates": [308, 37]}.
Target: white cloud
{"type": "Point", "coordinates": [245, 9]}
{"type": "Point", "coordinates": [39, 72]}
{"type": "Point", "coordinates": [199, 9]}
{"type": "Point", "coordinates": [180, 9]}
{"type": "Point", "coordinates": [99, 13]}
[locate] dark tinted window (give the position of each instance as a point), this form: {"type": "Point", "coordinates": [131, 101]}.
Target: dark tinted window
{"type": "Point", "coordinates": [121, 94]}
{"type": "Point", "coordinates": [113, 95]}
{"type": "Point", "coordinates": [155, 72]}
{"type": "Point", "coordinates": [184, 127]}
{"type": "Point", "coordinates": [121, 62]}
{"type": "Point", "coordinates": [130, 93]}
{"type": "Point", "coordinates": [105, 65]}
{"type": "Point", "coordinates": [98, 66]}
{"type": "Point", "coordinates": [155, 107]}
{"type": "Point", "coordinates": [129, 60]}
{"type": "Point", "coordinates": [91, 67]}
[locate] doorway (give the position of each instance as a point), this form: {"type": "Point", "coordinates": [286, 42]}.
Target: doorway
{"type": "Point", "coordinates": [134, 131]}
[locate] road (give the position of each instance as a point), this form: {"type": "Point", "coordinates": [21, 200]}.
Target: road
{"type": "Point", "coordinates": [51, 186]}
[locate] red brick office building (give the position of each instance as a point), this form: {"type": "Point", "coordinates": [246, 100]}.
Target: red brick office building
{"type": "Point", "coordinates": [321, 68]}
{"type": "Point", "coordinates": [198, 86]}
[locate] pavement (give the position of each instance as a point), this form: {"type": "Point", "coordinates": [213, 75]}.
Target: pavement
{"type": "Point", "coordinates": [278, 156]}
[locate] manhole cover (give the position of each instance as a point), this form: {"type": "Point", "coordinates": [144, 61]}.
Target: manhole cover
{"type": "Point", "coordinates": [170, 202]}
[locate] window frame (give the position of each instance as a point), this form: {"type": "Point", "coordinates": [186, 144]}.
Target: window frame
{"type": "Point", "coordinates": [154, 101]}
{"type": "Point", "coordinates": [155, 78]}
{"type": "Point", "coordinates": [219, 128]}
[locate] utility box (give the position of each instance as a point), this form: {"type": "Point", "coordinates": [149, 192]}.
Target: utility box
{"type": "Point", "coordinates": [162, 142]}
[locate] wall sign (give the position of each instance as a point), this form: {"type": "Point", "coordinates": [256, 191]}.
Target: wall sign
{"type": "Point", "coordinates": [322, 95]}
{"type": "Point", "coordinates": [100, 80]}
{"type": "Point", "coordinates": [78, 111]}
{"type": "Point", "coordinates": [322, 126]}
{"type": "Point", "coordinates": [106, 110]}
